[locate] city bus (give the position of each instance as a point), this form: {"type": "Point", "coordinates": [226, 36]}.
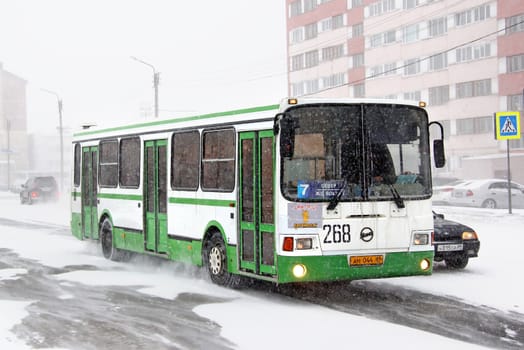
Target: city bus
{"type": "Point", "coordinates": [307, 190]}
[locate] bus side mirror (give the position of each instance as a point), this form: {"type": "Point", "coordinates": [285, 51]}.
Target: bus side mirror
{"type": "Point", "coordinates": [438, 153]}
{"type": "Point", "coordinates": [438, 147]}
{"type": "Point", "coordinates": [287, 137]}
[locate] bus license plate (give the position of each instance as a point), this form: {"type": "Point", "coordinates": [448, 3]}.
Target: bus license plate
{"type": "Point", "coordinates": [450, 247]}
{"type": "Point", "coordinates": [366, 260]}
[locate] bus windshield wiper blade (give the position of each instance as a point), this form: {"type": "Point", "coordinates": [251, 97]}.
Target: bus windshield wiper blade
{"type": "Point", "coordinates": [336, 198]}
{"type": "Point", "coordinates": [396, 196]}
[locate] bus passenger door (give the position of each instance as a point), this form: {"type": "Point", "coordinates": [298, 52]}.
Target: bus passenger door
{"type": "Point", "coordinates": [256, 210]}
{"type": "Point", "coordinates": [89, 192]}
{"type": "Point", "coordinates": [155, 196]}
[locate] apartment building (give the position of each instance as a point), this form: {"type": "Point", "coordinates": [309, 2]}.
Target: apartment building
{"type": "Point", "coordinates": [465, 58]}
{"type": "Point", "coordinates": [13, 127]}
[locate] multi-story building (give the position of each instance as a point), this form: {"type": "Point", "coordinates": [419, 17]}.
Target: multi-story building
{"type": "Point", "coordinates": [465, 58]}
{"type": "Point", "coordinates": [13, 127]}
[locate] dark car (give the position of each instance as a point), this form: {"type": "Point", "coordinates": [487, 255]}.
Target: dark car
{"type": "Point", "coordinates": [39, 189]}
{"type": "Point", "coordinates": [454, 242]}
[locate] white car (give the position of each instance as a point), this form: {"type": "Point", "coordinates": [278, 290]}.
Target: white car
{"type": "Point", "coordinates": [488, 193]}
{"type": "Point", "coordinates": [442, 194]}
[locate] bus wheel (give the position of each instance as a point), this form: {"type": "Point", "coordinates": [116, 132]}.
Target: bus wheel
{"type": "Point", "coordinates": [106, 240]}
{"type": "Point", "coordinates": [215, 261]}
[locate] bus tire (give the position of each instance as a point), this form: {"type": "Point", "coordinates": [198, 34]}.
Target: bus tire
{"type": "Point", "coordinates": [106, 240]}
{"type": "Point", "coordinates": [215, 262]}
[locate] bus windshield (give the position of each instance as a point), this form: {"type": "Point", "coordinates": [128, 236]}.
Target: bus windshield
{"type": "Point", "coordinates": [355, 152]}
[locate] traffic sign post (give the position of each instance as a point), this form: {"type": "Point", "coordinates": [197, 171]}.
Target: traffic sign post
{"type": "Point", "coordinates": [507, 127]}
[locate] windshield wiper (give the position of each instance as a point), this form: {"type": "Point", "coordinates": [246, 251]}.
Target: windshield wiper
{"type": "Point", "coordinates": [336, 198]}
{"type": "Point", "coordinates": [396, 196]}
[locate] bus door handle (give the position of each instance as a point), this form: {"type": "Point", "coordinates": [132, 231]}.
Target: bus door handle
{"type": "Point", "coordinates": [139, 204]}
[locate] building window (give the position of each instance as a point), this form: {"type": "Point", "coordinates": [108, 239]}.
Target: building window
{"type": "Point", "coordinates": [333, 80]}
{"type": "Point", "coordinates": [390, 68]}
{"type": "Point", "coordinates": [326, 24]}
{"type": "Point", "coordinates": [476, 14]}
{"type": "Point", "coordinates": [438, 95]}
{"type": "Point", "coordinates": [437, 62]}
{"type": "Point", "coordinates": [311, 58]}
{"type": "Point", "coordinates": [310, 5]}
{"type": "Point", "coordinates": [411, 33]}
{"type": "Point", "coordinates": [412, 66]}
{"type": "Point", "coordinates": [515, 63]}
{"type": "Point", "coordinates": [338, 21]}
{"type": "Point", "coordinates": [311, 31]}
{"type": "Point", "coordinates": [438, 26]}
{"type": "Point", "coordinates": [409, 4]}
{"type": "Point", "coordinates": [375, 71]}
{"type": "Point", "coordinates": [358, 60]}
{"type": "Point", "coordinates": [479, 125]}
{"type": "Point", "coordinates": [473, 88]}
{"type": "Point", "coordinates": [357, 30]}
{"type": "Point", "coordinates": [185, 160]}
{"type": "Point", "coordinates": [375, 40]}
{"type": "Point", "coordinates": [108, 163]}
{"type": "Point", "coordinates": [515, 102]}
{"type": "Point", "coordinates": [380, 7]}
{"type": "Point", "coordinates": [297, 62]}
{"type": "Point", "coordinates": [464, 54]}
{"type": "Point", "coordinates": [332, 52]}
{"type": "Point", "coordinates": [515, 24]}
{"type": "Point", "coordinates": [312, 86]}
{"type": "Point", "coordinates": [297, 89]}
{"type": "Point", "coordinates": [77, 161]}
{"type": "Point", "coordinates": [412, 96]}
{"type": "Point", "coordinates": [218, 160]}
{"type": "Point", "coordinates": [297, 35]}
{"type": "Point", "coordinates": [295, 8]}
{"type": "Point", "coordinates": [359, 90]}
{"type": "Point", "coordinates": [356, 3]}
{"type": "Point", "coordinates": [129, 172]}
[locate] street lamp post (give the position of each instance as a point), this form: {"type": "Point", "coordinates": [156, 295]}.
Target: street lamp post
{"type": "Point", "coordinates": [61, 136]}
{"type": "Point", "coordinates": [156, 80]}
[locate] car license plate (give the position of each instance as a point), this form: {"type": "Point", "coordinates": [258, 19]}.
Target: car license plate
{"type": "Point", "coordinates": [457, 194]}
{"type": "Point", "coordinates": [450, 247]}
{"type": "Point", "coordinates": [366, 260]}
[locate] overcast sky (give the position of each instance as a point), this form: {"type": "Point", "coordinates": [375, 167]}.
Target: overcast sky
{"type": "Point", "coordinates": [212, 56]}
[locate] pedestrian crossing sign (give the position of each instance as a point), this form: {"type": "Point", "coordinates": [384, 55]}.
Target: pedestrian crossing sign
{"type": "Point", "coordinates": [507, 125]}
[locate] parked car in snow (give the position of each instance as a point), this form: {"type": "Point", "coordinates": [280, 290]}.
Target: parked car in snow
{"type": "Point", "coordinates": [39, 189]}
{"type": "Point", "coordinates": [442, 194]}
{"type": "Point", "coordinates": [454, 242]}
{"type": "Point", "coordinates": [488, 193]}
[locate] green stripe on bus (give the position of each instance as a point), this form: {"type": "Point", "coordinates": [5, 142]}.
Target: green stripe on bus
{"type": "Point", "coordinates": [184, 119]}
{"type": "Point", "coordinates": [131, 197]}
{"type": "Point", "coordinates": [203, 201]}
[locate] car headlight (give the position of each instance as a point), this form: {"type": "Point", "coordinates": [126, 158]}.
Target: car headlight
{"type": "Point", "coordinates": [466, 235]}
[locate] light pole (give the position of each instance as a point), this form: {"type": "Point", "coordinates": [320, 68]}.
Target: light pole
{"type": "Point", "coordinates": [156, 80]}
{"type": "Point", "coordinates": [61, 136]}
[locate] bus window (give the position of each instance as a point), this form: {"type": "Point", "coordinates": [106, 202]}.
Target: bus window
{"type": "Point", "coordinates": [76, 170]}
{"type": "Point", "coordinates": [218, 160]}
{"type": "Point", "coordinates": [185, 160]}
{"type": "Point", "coordinates": [109, 163]}
{"type": "Point", "coordinates": [130, 162]}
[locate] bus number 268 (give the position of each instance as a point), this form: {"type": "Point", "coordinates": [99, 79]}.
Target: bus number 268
{"type": "Point", "coordinates": [336, 233]}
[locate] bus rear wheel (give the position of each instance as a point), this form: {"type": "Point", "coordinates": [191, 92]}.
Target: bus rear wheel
{"type": "Point", "coordinates": [108, 248]}
{"type": "Point", "coordinates": [215, 262]}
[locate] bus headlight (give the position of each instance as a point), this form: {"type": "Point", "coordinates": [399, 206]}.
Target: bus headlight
{"type": "Point", "coordinates": [420, 239]}
{"type": "Point", "coordinates": [304, 243]}
{"type": "Point", "coordinates": [425, 264]}
{"type": "Point", "coordinates": [299, 270]}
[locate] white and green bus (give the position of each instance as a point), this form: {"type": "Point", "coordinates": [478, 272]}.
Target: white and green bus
{"type": "Point", "coordinates": [308, 190]}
